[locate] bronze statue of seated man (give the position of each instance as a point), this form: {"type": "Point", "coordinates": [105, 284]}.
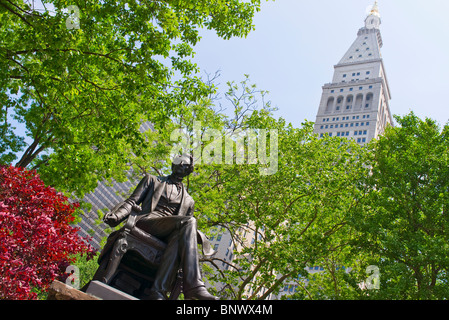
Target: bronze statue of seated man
{"type": "Point", "coordinates": [166, 212]}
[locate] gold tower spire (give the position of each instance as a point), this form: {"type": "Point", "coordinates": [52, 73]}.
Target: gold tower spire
{"type": "Point", "coordinates": [375, 10]}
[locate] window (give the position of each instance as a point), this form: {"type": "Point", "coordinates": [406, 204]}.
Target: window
{"type": "Point", "coordinates": [355, 133]}
{"type": "Point", "coordinates": [322, 127]}
{"type": "Point", "coordinates": [344, 76]}
{"type": "Point", "coordinates": [370, 87]}
{"type": "Point", "coordinates": [330, 134]}
{"type": "Point", "coordinates": [368, 72]}
{"type": "Point", "coordinates": [341, 90]}
{"type": "Point", "coordinates": [360, 55]}
{"type": "Point", "coordinates": [332, 91]}
{"type": "Point", "coordinates": [367, 105]}
{"type": "Point", "coordinates": [363, 139]}
{"type": "Point", "coordinates": [346, 125]}
{"type": "Point", "coordinates": [359, 140]}
{"type": "Point", "coordinates": [357, 124]}
{"type": "Point", "coordinates": [365, 132]}
{"type": "Point", "coordinates": [347, 133]}
{"type": "Point", "coordinates": [358, 73]}
{"type": "Point", "coordinates": [367, 123]}
{"type": "Point", "coordinates": [368, 98]}
{"type": "Point", "coordinates": [338, 134]}
{"type": "Point", "coordinates": [327, 126]}
{"type": "Point", "coordinates": [341, 126]}
{"type": "Point", "coordinates": [350, 57]}
{"type": "Point", "coordinates": [360, 88]}
{"type": "Point", "coordinates": [350, 89]}
{"type": "Point", "coordinates": [353, 74]}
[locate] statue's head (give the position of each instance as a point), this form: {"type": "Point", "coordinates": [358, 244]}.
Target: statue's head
{"type": "Point", "coordinates": [182, 166]}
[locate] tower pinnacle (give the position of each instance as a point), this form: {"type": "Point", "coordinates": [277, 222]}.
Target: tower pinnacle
{"type": "Point", "coordinates": [375, 10]}
{"type": "Point", "coordinates": [373, 21]}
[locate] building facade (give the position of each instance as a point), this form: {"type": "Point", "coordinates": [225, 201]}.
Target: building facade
{"type": "Point", "coordinates": [356, 104]}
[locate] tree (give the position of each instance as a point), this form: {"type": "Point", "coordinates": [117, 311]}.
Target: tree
{"type": "Point", "coordinates": [404, 213]}
{"type": "Point", "coordinates": [36, 238]}
{"type": "Point", "coordinates": [83, 79]}
{"type": "Point", "coordinates": [296, 215]}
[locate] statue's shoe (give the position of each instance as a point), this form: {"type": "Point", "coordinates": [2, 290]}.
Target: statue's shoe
{"type": "Point", "coordinates": [199, 293]}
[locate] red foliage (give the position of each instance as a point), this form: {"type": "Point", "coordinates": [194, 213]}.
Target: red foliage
{"type": "Point", "coordinates": [36, 238]}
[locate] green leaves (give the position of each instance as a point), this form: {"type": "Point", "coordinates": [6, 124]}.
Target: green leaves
{"type": "Point", "coordinates": [406, 208]}
{"type": "Point", "coordinates": [84, 93]}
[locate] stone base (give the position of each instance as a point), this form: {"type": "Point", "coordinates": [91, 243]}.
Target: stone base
{"type": "Point", "coordinates": [61, 291]}
{"type": "Point", "coordinates": [105, 292]}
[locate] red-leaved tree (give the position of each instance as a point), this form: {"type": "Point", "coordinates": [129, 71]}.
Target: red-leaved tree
{"type": "Point", "coordinates": [36, 238]}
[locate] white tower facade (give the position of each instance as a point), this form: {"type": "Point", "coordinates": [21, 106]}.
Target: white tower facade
{"type": "Point", "coordinates": [357, 102]}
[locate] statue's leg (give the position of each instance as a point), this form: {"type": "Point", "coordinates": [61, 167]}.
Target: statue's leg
{"type": "Point", "coordinates": [188, 250]}
{"type": "Point", "coordinates": [182, 251]}
{"type": "Point", "coordinates": [167, 230]}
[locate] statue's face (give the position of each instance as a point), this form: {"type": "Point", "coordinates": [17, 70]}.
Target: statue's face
{"type": "Point", "coordinates": [181, 166]}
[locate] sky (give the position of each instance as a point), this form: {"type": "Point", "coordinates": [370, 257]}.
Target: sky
{"type": "Point", "coordinates": [295, 45]}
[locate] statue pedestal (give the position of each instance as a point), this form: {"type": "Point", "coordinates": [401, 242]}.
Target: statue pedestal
{"type": "Point", "coordinates": [95, 291]}
{"type": "Point", "coordinates": [60, 291]}
{"type": "Point", "coordinates": [105, 292]}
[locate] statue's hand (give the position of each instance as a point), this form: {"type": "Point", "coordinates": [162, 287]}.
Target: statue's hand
{"type": "Point", "coordinates": [111, 219]}
{"type": "Point", "coordinates": [136, 208]}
